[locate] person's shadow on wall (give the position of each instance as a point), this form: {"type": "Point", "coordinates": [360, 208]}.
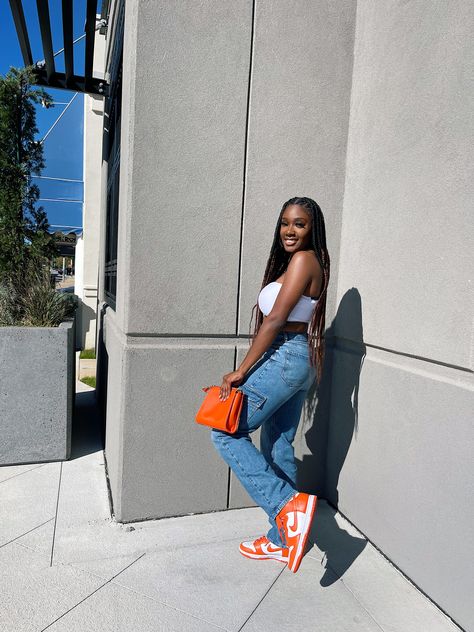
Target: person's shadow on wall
{"type": "Point", "coordinates": [331, 410]}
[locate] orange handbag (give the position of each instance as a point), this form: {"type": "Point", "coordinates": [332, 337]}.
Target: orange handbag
{"type": "Point", "coordinates": [221, 415]}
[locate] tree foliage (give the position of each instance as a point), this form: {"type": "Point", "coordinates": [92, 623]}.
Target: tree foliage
{"type": "Point", "coordinates": [24, 237]}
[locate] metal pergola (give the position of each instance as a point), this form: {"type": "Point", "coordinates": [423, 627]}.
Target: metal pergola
{"type": "Point", "coordinates": [46, 71]}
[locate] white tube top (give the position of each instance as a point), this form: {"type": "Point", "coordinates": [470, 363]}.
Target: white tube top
{"type": "Point", "coordinates": [301, 312]}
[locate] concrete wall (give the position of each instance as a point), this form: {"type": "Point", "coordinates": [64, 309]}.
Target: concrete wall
{"type": "Point", "coordinates": [37, 393]}
{"type": "Point", "coordinates": [229, 109]}
{"type": "Point", "coordinates": [87, 265]}
{"type": "Point", "coordinates": [185, 80]}
{"type": "Point", "coordinates": [297, 134]}
{"type": "Point", "coordinates": [210, 108]}
{"type": "Point", "coordinates": [401, 469]}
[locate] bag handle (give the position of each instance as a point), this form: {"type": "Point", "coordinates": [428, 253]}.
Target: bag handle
{"type": "Point", "coordinates": [206, 388]}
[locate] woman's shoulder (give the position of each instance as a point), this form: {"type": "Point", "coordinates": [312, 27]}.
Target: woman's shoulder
{"type": "Point", "coordinates": [305, 263]}
{"type": "Point", "coordinates": [304, 259]}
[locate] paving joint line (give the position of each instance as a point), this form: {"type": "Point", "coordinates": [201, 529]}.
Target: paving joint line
{"type": "Point", "coordinates": [394, 565]}
{"type": "Point", "coordinates": [346, 586]}
{"type": "Point", "coordinates": [56, 514]}
{"type": "Point", "coordinates": [90, 594]}
{"type": "Point", "coordinates": [236, 540]}
{"type": "Point", "coordinates": [26, 532]}
{"type": "Point", "coordinates": [36, 467]}
{"type": "Point", "coordinates": [339, 578]}
{"type": "Point", "coordinates": [167, 605]}
{"type": "Point", "coordinates": [456, 627]}
{"type": "Point", "coordinates": [261, 600]}
{"type": "Point", "coordinates": [74, 566]}
{"type": "Point", "coordinates": [356, 598]}
{"type": "Point", "coordinates": [58, 563]}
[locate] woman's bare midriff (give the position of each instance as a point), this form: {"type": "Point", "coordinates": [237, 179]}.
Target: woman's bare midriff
{"type": "Point", "coordinates": [299, 328]}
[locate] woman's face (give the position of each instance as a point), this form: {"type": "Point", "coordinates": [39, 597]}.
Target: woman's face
{"type": "Point", "coordinates": [295, 229]}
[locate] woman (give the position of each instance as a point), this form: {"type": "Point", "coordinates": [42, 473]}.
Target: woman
{"type": "Point", "coordinates": [289, 333]}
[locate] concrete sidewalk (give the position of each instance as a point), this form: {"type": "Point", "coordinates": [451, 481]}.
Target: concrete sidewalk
{"type": "Point", "coordinates": [66, 565]}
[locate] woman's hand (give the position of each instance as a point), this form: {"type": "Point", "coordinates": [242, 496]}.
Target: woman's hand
{"type": "Point", "coordinates": [230, 379]}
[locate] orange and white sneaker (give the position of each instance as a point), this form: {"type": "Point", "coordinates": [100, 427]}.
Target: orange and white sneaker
{"type": "Point", "coordinates": [263, 549]}
{"type": "Point", "coordinates": [295, 521]}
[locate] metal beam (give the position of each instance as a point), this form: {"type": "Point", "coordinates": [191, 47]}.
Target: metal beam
{"type": "Point", "coordinates": [22, 31]}
{"type": "Point", "coordinates": [45, 72]}
{"type": "Point", "coordinates": [98, 87]}
{"type": "Point", "coordinates": [45, 27]}
{"type": "Point", "coordinates": [91, 12]}
{"type": "Point", "coordinates": [104, 15]}
{"type": "Point", "coordinates": [67, 38]}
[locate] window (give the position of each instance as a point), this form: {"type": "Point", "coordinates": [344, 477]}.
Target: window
{"type": "Point", "coordinates": [112, 121]}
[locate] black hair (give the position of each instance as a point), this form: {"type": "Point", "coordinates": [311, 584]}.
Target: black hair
{"type": "Point", "coordinates": [277, 264]}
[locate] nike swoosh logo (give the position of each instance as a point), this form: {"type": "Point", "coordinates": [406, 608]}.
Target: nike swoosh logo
{"type": "Point", "coordinates": [294, 524]}
{"type": "Point", "coordinates": [270, 548]}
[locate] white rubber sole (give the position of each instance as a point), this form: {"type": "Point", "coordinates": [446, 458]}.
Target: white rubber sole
{"type": "Point", "coordinates": [251, 556]}
{"type": "Point", "coordinates": [304, 534]}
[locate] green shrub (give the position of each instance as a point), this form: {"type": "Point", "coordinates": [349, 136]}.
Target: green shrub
{"type": "Point", "coordinates": [32, 302]}
{"type": "Point", "coordinates": [87, 354]}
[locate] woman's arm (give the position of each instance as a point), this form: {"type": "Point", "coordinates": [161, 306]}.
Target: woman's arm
{"type": "Point", "coordinates": [297, 277]}
{"type": "Point", "coordinates": [262, 341]}
{"type": "Point", "coordinates": [266, 335]}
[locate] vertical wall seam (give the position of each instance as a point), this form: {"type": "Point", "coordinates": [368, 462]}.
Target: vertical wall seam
{"type": "Point", "coordinates": [229, 472]}
{"type": "Point", "coordinates": [244, 174]}
{"type": "Point", "coordinates": [346, 159]}
{"type": "Point", "coordinates": [341, 244]}
{"type": "Point", "coordinates": [242, 211]}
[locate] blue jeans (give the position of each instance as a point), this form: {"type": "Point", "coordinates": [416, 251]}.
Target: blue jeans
{"type": "Point", "coordinates": [274, 392]}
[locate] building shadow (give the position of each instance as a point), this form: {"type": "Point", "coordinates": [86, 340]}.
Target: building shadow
{"type": "Point", "coordinates": [86, 435]}
{"type": "Point", "coordinates": [102, 371]}
{"type": "Point", "coordinates": [331, 416]}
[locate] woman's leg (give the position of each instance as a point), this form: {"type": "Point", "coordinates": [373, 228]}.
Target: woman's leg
{"type": "Point", "coordinates": [280, 375]}
{"type": "Point", "coordinates": [277, 436]}
{"type": "Point", "coordinates": [261, 397]}
{"type": "Point", "coordinates": [276, 443]}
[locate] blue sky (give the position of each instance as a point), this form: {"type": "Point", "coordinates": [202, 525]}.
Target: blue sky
{"type": "Point", "coordinates": [61, 185]}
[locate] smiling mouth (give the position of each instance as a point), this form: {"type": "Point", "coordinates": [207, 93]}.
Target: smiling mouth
{"type": "Point", "coordinates": [290, 242]}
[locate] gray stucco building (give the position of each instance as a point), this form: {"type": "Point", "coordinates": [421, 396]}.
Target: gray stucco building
{"type": "Point", "coordinates": [218, 113]}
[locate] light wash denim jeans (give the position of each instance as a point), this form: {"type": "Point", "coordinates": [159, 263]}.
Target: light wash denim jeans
{"type": "Point", "coordinates": [274, 392]}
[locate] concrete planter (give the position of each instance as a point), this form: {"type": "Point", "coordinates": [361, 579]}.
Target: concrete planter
{"type": "Point", "coordinates": [37, 378]}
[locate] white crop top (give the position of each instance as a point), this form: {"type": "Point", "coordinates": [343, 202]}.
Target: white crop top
{"type": "Point", "coordinates": [301, 312]}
